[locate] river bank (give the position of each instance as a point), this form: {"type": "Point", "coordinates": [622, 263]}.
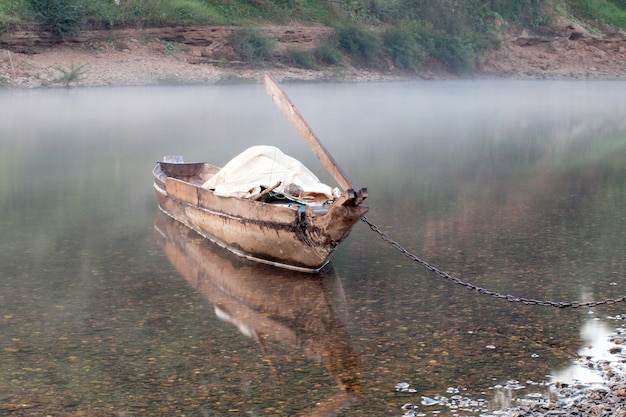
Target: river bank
{"type": "Point", "coordinates": [188, 55]}
{"type": "Point", "coordinates": [153, 56]}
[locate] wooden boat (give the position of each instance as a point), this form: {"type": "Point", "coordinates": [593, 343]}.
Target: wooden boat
{"type": "Point", "coordinates": [299, 236]}
{"type": "Point", "coordinates": [272, 306]}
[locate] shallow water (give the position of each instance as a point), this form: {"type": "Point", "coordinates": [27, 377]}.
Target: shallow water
{"type": "Point", "coordinates": [108, 309]}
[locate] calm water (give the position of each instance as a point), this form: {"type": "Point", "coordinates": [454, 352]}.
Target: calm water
{"type": "Point", "coordinates": [107, 309]}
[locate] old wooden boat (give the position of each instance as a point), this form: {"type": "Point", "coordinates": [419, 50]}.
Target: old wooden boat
{"type": "Point", "coordinates": [281, 224]}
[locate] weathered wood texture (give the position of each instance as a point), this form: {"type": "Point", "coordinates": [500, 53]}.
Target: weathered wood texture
{"type": "Point", "coordinates": [270, 233]}
{"type": "Point", "coordinates": [293, 115]}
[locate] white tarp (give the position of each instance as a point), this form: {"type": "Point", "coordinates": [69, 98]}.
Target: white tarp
{"type": "Point", "coordinates": [264, 166]}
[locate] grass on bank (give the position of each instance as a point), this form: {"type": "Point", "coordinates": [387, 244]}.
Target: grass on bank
{"type": "Point", "coordinates": [67, 76]}
{"type": "Point", "coordinates": [609, 12]}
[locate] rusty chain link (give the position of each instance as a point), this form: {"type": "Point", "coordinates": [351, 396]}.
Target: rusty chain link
{"type": "Point", "coordinates": [511, 298]}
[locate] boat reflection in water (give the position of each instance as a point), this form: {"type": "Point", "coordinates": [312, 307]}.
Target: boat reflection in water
{"type": "Point", "coordinates": [271, 305]}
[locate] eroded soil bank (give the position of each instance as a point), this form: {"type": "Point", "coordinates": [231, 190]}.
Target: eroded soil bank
{"type": "Point", "coordinates": [192, 54]}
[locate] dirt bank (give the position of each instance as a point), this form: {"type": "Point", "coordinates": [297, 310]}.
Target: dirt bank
{"type": "Point", "coordinates": [569, 51]}
{"type": "Point", "coordinates": [141, 56]}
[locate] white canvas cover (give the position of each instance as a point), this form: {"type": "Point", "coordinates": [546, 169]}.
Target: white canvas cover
{"type": "Point", "coordinates": [264, 166]}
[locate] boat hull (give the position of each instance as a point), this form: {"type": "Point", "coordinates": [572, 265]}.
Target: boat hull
{"type": "Point", "coordinates": [283, 236]}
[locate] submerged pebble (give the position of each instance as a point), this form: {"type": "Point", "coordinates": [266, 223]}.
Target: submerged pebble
{"type": "Point", "coordinates": [429, 401]}
{"type": "Point", "coordinates": [606, 398]}
{"type": "Point", "coordinates": [405, 387]}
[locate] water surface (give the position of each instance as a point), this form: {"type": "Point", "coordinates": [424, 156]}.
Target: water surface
{"type": "Point", "coordinates": [108, 309]}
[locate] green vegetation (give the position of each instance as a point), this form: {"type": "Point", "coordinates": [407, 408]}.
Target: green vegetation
{"type": "Point", "coordinates": [69, 75]}
{"type": "Point", "coordinates": [610, 12]}
{"type": "Point", "coordinates": [405, 45]}
{"type": "Point", "coordinates": [302, 58]}
{"type": "Point", "coordinates": [404, 34]}
{"type": "Point", "coordinates": [60, 16]}
{"type": "Point", "coordinates": [253, 46]}
{"type": "Point", "coordinates": [361, 43]}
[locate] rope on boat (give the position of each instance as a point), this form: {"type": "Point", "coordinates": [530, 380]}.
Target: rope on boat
{"type": "Point", "coordinates": [508, 297]}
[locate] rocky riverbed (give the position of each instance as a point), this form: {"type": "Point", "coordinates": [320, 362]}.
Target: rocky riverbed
{"type": "Point", "coordinates": [594, 385]}
{"type": "Point", "coordinates": [605, 395]}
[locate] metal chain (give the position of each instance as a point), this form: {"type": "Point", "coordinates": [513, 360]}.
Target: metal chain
{"type": "Point", "coordinates": [511, 298]}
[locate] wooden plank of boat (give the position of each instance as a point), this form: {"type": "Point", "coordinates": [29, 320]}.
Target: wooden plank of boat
{"type": "Point", "coordinates": [290, 111]}
{"type": "Point", "coordinates": [291, 236]}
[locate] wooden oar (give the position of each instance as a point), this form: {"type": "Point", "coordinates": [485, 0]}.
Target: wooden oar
{"type": "Point", "coordinates": [293, 115]}
{"type": "Point", "coordinates": [266, 191]}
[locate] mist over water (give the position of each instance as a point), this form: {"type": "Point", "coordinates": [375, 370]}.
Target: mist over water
{"type": "Point", "coordinates": [516, 186]}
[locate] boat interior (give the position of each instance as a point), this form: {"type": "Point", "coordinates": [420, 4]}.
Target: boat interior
{"type": "Point", "coordinates": [198, 173]}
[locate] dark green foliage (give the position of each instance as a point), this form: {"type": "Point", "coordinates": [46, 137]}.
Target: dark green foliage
{"type": "Point", "coordinates": [619, 3]}
{"type": "Point", "coordinates": [527, 13]}
{"type": "Point", "coordinates": [63, 17]}
{"type": "Point", "coordinates": [454, 52]}
{"type": "Point", "coordinates": [328, 54]}
{"type": "Point", "coordinates": [301, 58]}
{"type": "Point", "coordinates": [253, 46]}
{"type": "Point", "coordinates": [362, 45]}
{"type": "Point", "coordinates": [404, 45]}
